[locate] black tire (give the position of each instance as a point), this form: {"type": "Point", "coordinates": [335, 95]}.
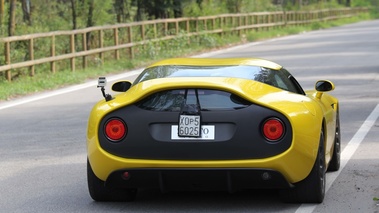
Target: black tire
{"type": "Point", "coordinates": [312, 188]}
{"type": "Point", "coordinates": [335, 163]}
{"type": "Point", "coordinates": [99, 192]}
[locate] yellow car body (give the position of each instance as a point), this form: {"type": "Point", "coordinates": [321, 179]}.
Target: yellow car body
{"type": "Point", "coordinates": [312, 115]}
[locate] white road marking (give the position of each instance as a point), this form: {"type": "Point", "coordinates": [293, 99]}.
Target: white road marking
{"type": "Point", "coordinates": [346, 155]}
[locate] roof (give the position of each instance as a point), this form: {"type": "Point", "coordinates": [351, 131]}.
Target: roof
{"type": "Point", "coordinates": [218, 62]}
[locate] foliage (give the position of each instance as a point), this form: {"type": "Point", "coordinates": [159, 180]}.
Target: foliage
{"type": "Point", "coordinates": [366, 3]}
{"type": "Point", "coordinates": [373, 4]}
{"type": "Point", "coordinates": [47, 15]}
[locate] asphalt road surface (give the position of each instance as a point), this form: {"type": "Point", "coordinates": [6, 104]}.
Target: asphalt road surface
{"type": "Point", "coordinates": [43, 151]}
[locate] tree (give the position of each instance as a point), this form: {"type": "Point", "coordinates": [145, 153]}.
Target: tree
{"type": "Point", "coordinates": [1, 12]}
{"type": "Point", "coordinates": [140, 10]}
{"type": "Point", "coordinates": [12, 18]}
{"type": "Point", "coordinates": [74, 16]}
{"type": "Point", "coordinates": [178, 8]}
{"type": "Point", "coordinates": [158, 9]}
{"type": "Point", "coordinates": [346, 3]}
{"type": "Point", "coordinates": [26, 11]}
{"type": "Point", "coordinates": [90, 22]}
{"type": "Point", "coordinates": [91, 7]}
{"type": "Point", "coordinates": [121, 10]}
{"type": "Point", "coordinates": [234, 6]}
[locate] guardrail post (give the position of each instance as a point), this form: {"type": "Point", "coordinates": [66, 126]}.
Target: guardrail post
{"type": "Point", "coordinates": [155, 31]}
{"type": "Point", "coordinates": [130, 36]}
{"type": "Point", "coordinates": [72, 50]}
{"type": "Point", "coordinates": [117, 52]}
{"type": "Point", "coordinates": [213, 23]}
{"type": "Point", "coordinates": [101, 45]}
{"type": "Point", "coordinates": [233, 23]}
{"type": "Point", "coordinates": [247, 23]}
{"type": "Point", "coordinates": [52, 53]}
{"type": "Point", "coordinates": [197, 25]}
{"type": "Point", "coordinates": [7, 54]}
{"type": "Point", "coordinates": [239, 25]}
{"type": "Point", "coordinates": [258, 20]}
{"type": "Point", "coordinates": [285, 18]}
{"type": "Point", "coordinates": [166, 29]}
{"type": "Point", "coordinates": [84, 47]}
{"type": "Point", "coordinates": [31, 56]}
{"type": "Point", "coordinates": [188, 30]}
{"type": "Point", "coordinates": [222, 23]}
{"type": "Point", "coordinates": [177, 27]}
{"type": "Point", "coordinates": [143, 32]}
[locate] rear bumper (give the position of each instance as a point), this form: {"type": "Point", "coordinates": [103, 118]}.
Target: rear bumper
{"type": "Point", "coordinates": [204, 179]}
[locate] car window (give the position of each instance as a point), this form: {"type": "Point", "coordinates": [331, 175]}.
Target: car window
{"type": "Point", "coordinates": [170, 71]}
{"type": "Point", "coordinates": [290, 82]}
{"type": "Point", "coordinates": [209, 100]}
{"type": "Point", "coordinates": [280, 79]}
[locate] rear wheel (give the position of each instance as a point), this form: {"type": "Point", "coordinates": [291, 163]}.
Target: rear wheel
{"type": "Point", "coordinates": [312, 188]}
{"type": "Point", "coordinates": [334, 164]}
{"type": "Point", "coordinates": [100, 192]}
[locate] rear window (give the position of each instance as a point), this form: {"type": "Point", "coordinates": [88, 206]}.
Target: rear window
{"type": "Point", "coordinates": [209, 100]}
{"type": "Point", "coordinates": [172, 71]}
{"type": "Point", "coordinates": [276, 78]}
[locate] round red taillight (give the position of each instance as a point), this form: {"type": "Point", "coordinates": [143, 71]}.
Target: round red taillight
{"type": "Point", "coordinates": [273, 129]}
{"type": "Point", "coordinates": [115, 129]}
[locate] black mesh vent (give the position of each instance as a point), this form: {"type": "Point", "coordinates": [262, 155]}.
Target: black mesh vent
{"type": "Point", "coordinates": [210, 100]}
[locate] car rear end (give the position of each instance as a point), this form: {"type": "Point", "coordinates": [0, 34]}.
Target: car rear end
{"type": "Point", "coordinates": [151, 143]}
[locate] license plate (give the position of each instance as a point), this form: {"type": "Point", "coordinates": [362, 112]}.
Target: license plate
{"type": "Point", "coordinates": [189, 126]}
{"type": "Point", "coordinates": [207, 133]}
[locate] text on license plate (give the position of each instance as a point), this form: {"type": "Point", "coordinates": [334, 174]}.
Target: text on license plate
{"type": "Point", "coordinates": [207, 133]}
{"type": "Point", "coordinates": [189, 126]}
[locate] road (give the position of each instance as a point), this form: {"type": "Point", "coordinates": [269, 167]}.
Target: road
{"type": "Point", "coordinates": [43, 151]}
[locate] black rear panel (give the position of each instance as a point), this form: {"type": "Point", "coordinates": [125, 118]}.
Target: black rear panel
{"type": "Point", "coordinates": [236, 123]}
{"type": "Point", "coordinates": [204, 179]}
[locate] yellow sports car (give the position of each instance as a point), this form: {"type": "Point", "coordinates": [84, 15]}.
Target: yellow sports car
{"type": "Point", "coordinates": [213, 124]}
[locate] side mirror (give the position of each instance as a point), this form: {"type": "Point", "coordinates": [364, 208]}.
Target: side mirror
{"type": "Point", "coordinates": [324, 86]}
{"type": "Point", "coordinates": [121, 86]}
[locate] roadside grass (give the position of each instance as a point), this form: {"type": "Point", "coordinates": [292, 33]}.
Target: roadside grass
{"type": "Point", "coordinates": [44, 80]}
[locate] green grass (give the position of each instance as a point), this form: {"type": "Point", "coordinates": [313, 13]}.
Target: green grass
{"type": "Point", "coordinates": [44, 80]}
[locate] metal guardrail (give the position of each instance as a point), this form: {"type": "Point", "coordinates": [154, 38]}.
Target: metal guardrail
{"type": "Point", "coordinates": [116, 38]}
